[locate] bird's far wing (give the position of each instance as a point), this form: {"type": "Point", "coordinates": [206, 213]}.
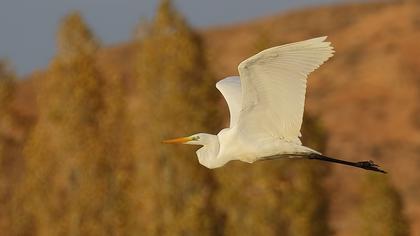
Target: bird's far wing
{"type": "Point", "coordinates": [274, 85]}
{"type": "Point", "coordinates": [230, 88]}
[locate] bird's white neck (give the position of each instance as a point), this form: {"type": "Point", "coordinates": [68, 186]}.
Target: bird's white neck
{"type": "Point", "coordinates": [207, 155]}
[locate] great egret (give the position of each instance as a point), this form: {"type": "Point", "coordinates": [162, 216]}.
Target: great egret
{"type": "Point", "coordinates": [266, 108]}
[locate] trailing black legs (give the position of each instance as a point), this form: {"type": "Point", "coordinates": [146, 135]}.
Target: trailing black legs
{"type": "Point", "coordinates": [367, 165]}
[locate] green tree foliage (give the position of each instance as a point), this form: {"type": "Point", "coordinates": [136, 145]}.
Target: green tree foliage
{"type": "Point", "coordinates": [175, 95]}
{"type": "Point", "coordinates": [381, 208]}
{"type": "Point", "coordinates": [280, 197]}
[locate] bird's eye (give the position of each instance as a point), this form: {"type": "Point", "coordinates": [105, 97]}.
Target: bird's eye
{"type": "Point", "coordinates": [196, 138]}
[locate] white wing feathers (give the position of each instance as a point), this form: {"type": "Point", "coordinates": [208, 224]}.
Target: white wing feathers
{"type": "Point", "coordinates": [274, 85]}
{"type": "Point", "coordinates": [230, 88]}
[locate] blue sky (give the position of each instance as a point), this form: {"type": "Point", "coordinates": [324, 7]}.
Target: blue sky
{"type": "Point", "coordinates": [27, 27]}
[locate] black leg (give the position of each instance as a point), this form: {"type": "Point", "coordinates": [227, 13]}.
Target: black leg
{"type": "Point", "coordinates": [367, 165]}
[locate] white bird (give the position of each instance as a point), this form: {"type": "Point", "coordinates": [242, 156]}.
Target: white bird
{"type": "Point", "coordinates": [266, 104]}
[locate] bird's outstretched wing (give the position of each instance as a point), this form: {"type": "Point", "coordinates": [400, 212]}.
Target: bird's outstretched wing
{"type": "Point", "coordinates": [274, 85]}
{"type": "Point", "coordinates": [230, 88]}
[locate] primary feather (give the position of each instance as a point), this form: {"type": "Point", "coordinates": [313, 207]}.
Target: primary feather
{"type": "Point", "coordinates": [274, 85]}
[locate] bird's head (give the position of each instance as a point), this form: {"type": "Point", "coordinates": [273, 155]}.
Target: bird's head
{"type": "Point", "coordinates": [206, 154]}
{"type": "Point", "coordinates": [195, 139]}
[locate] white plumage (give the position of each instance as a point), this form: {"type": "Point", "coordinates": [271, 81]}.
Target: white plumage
{"type": "Point", "coordinates": [266, 103]}
{"type": "Point", "coordinates": [230, 87]}
{"type": "Point", "coordinates": [274, 84]}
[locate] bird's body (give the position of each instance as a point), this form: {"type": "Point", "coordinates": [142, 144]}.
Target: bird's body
{"type": "Point", "coordinates": [230, 145]}
{"type": "Point", "coordinates": [266, 103]}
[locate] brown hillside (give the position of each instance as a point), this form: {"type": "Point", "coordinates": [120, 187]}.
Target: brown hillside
{"type": "Point", "coordinates": [367, 95]}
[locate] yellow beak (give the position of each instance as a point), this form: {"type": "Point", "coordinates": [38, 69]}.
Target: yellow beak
{"type": "Point", "coordinates": [178, 140]}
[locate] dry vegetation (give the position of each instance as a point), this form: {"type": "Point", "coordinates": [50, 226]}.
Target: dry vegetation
{"type": "Point", "coordinates": [80, 148]}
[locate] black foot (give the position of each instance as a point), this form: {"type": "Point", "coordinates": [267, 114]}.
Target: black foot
{"type": "Point", "coordinates": [369, 165]}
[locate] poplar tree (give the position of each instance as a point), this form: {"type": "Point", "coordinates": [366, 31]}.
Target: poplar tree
{"type": "Point", "coordinates": [117, 167]}
{"type": "Point", "coordinates": [175, 95]}
{"type": "Point", "coordinates": [60, 192]}
{"type": "Point", "coordinates": [7, 85]}
{"type": "Point", "coordinates": [7, 144]}
{"type": "Point", "coordinates": [382, 209]}
{"type": "Point", "coordinates": [305, 198]}
{"type": "Point", "coordinates": [7, 91]}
